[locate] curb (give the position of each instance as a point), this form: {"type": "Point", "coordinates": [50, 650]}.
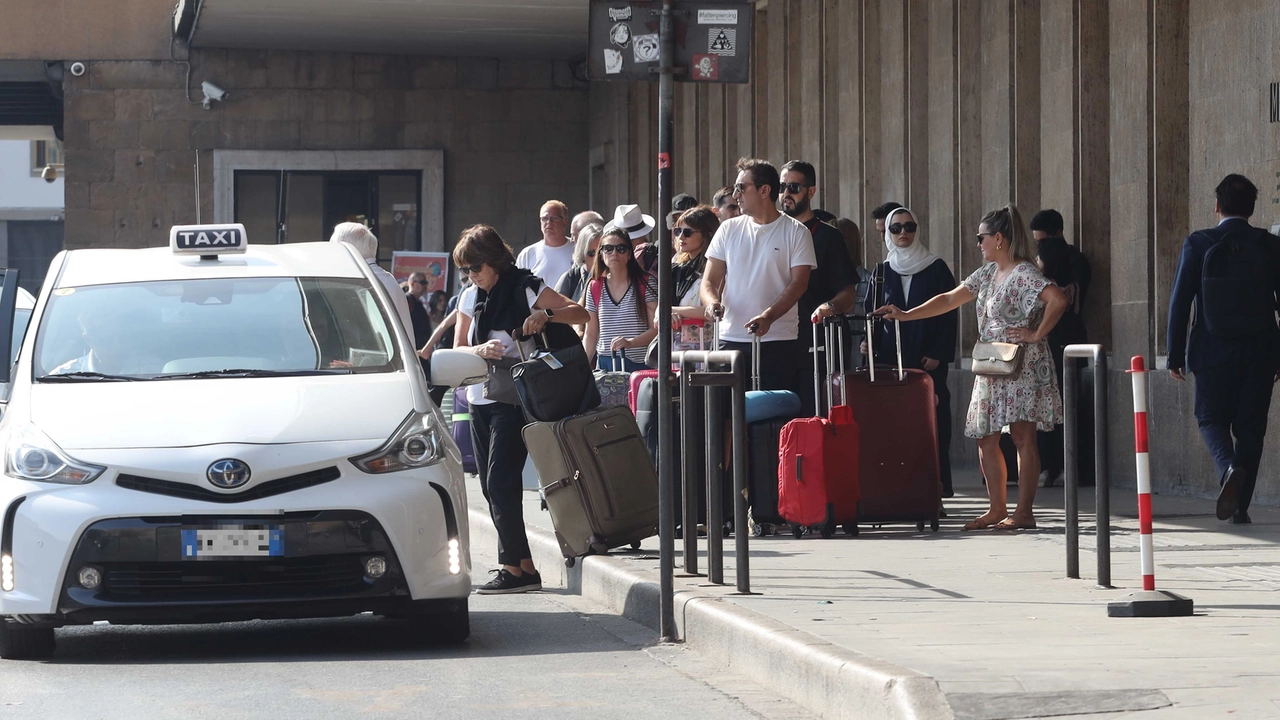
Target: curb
{"type": "Point", "coordinates": [829, 680]}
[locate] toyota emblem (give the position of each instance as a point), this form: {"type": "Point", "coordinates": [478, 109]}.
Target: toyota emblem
{"type": "Point", "coordinates": [228, 474]}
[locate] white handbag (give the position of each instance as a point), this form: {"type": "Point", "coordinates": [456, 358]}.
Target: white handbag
{"type": "Point", "coordinates": [997, 359]}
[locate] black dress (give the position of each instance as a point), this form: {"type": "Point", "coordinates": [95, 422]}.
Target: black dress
{"type": "Point", "coordinates": [930, 338]}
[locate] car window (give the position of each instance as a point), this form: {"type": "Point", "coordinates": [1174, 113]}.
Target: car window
{"type": "Point", "coordinates": [170, 328]}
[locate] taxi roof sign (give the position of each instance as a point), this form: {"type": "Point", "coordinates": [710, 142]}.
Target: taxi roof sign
{"type": "Point", "coordinates": [208, 239]}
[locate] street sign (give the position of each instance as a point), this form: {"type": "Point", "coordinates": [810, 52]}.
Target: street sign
{"type": "Point", "coordinates": [712, 40]}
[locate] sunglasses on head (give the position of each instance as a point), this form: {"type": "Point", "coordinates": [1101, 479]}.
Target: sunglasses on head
{"type": "Point", "coordinates": [610, 249]}
{"type": "Point", "coordinates": [683, 232]}
{"type": "Point", "coordinates": [793, 188]}
{"type": "Point", "coordinates": [470, 269]}
{"type": "Point", "coordinates": [903, 227]}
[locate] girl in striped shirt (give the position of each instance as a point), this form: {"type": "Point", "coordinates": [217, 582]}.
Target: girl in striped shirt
{"type": "Point", "coordinates": [622, 305]}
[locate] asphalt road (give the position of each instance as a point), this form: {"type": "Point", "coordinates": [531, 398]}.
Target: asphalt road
{"type": "Point", "coordinates": [529, 656]}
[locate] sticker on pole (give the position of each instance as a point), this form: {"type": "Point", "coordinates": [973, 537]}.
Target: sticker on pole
{"type": "Point", "coordinates": [616, 14]}
{"type": "Point", "coordinates": [722, 41]}
{"type": "Point", "coordinates": [717, 17]}
{"type": "Point", "coordinates": [706, 67]}
{"type": "Point", "coordinates": [647, 48]}
{"type": "Point", "coordinates": [620, 35]}
{"type": "Point", "coordinates": [612, 61]}
{"type": "Point", "coordinates": [664, 161]}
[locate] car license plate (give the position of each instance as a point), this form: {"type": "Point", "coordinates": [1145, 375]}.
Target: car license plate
{"type": "Point", "coordinates": [232, 542]}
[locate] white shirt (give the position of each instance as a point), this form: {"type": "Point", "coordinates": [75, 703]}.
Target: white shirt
{"type": "Point", "coordinates": [758, 261]}
{"type": "Point", "coordinates": [547, 262]}
{"type": "Point", "coordinates": [467, 306]}
{"type": "Point", "coordinates": [397, 296]}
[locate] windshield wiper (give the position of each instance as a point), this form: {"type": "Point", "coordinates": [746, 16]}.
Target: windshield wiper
{"type": "Point", "coordinates": [85, 376]}
{"type": "Point", "coordinates": [246, 373]}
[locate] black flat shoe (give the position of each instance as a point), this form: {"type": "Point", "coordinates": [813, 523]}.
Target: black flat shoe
{"type": "Point", "coordinates": [1229, 496]}
{"type": "Point", "coordinates": [1241, 518]}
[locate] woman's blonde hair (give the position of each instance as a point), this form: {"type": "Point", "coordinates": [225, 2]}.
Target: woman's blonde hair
{"type": "Point", "coordinates": [1008, 222]}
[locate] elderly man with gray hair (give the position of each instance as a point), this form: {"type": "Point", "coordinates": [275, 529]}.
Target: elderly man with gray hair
{"type": "Point", "coordinates": [366, 243]}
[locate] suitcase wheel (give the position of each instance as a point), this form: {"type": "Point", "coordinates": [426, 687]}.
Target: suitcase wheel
{"type": "Point", "coordinates": [727, 530]}
{"type": "Point", "coordinates": [920, 526]}
{"type": "Point", "coordinates": [599, 548]}
{"type": "Point", "coordinates": [636, 545]}
{"type": "Point", "coordinates": [933, 524]}
{"type": "Point", "coordinates": [797, 531]}
{"type": "Point", "coordinates": [570, 562]}
{"type": "Point", "coordinates": [851, 529]}
{"type": "Point", "coordinates": [762, 529]}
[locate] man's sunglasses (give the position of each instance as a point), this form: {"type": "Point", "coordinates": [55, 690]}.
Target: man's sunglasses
{"type": "Point", "coordinates": [470, 269]}
{"type": "Point", "coordinates": [418, 282]}
{"type": "Point", "coordinates": [739, 188]}
{"type": "Point", "coordinates": [903, 227]}
{"type": "Point", "coordinates": [610, 249]}
{"type": "Point", "coordinates": [683, 232]}
{"type": "Point", "coordinates": [794, 188]}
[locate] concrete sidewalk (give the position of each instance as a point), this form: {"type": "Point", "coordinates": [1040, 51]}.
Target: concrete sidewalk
{"type": "Point", "coordinates": [979, 625]}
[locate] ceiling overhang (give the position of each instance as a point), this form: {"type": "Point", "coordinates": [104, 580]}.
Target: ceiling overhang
{"type": "Point", "coordinates": [543, 29]}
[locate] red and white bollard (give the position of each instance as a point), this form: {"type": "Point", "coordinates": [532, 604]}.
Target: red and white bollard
{"type": "Point", "coordinates": [1149, 602]}
{"type": "Point", "coordinates": [1139, 373]}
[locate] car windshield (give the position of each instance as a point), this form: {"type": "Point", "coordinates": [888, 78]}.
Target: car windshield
{"type": "Point", "coordinates": [226, 327]}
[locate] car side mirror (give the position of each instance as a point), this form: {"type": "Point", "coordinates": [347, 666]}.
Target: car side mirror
{"type": "Point", "coordinates": [455, 368]}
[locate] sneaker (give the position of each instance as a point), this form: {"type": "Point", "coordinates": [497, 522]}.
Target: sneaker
{"type": "Point", "coordinates": [504, 583]}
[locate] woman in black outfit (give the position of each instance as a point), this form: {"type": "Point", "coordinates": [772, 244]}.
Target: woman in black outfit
{"type": "Point", "coordinates": [909, 277]}
{"type": "Point", "coordinates": [503, 300]}
{"type": "Point", "coordinates": [1054, 260]}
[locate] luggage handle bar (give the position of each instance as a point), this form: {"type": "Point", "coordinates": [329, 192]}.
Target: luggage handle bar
{"type": "Point", "coordinates": [835, 348]}
{"type": "Point", "coordinates": [755, 357]}
{"type": "Point", "coordinates": [871, 353]}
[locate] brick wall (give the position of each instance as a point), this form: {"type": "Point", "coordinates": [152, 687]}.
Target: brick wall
{"type": "Point", "coordinates": [514, 133]}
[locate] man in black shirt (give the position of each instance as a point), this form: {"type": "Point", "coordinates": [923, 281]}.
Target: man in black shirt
{"type": "Point", "coordinates": [833, 285]}
{"type": "Point", "coordinates": [1048, 223]}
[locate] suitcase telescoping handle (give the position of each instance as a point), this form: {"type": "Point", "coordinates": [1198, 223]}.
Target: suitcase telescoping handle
{"type": "Point", "coordinates": [817, 372]}
{"type": "Point", "coordinates": [755, 357]}
{"type": "Point", "coordinates": [871, 352]}
{"type": "Point", "coordinates": [835, 348]}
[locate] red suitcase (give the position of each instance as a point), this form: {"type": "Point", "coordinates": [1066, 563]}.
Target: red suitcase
{"type": "Point", "coordinates": [895, 413]}
{"type": "Point", "coordinates": [818, 464]}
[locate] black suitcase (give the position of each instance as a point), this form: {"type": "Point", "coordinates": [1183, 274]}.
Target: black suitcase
{"type": "Point", "coordinates": [762, 473]}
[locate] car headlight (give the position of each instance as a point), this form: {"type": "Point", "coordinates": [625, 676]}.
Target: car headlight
{"type": "Point", "coordinates": [31, 455]}
{"type": "Point", "coordinates": [416, 443]}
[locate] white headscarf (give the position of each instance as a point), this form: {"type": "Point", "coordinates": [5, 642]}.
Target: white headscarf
{"type": "Point", "coordinates": [913, 258]}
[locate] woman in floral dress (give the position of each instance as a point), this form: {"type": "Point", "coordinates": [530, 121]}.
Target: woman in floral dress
{"type": "Point", "coordinates": [1015, 304]}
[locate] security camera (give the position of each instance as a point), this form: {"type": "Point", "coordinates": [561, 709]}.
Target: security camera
{"type": "Point", "coordinates": [49, 173]}
{"type": "Point", "coordinates": [212, 93]}
{"type": "Point", "coordinates": [78, 69]}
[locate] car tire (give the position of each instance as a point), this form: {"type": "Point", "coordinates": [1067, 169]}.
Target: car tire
{"type": "Point", "coordinates": [18, 642]}
{"type": "Point", "coordinates": [446, 626]}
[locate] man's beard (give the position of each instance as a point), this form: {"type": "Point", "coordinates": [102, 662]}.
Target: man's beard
{"type": "Point", "coordinates": [801, 207]}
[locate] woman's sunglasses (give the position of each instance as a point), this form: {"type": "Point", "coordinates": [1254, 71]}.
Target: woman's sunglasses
{"type": "Point", "coordinates": [470, 269]}
{"type": "Point", "coordinates": [903, 227]}
{"type": "Point", "coordinates": [683, 232]}
{"type": "Point", "coordinates": [610, 249]}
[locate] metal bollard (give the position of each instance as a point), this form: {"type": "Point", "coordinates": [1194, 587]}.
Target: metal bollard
{"type": "Point", "coordinates": [736, 380]}
{"type": "Point", "coordinates": [1071, 473]}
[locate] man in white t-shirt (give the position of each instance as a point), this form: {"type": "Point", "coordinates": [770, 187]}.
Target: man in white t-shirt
{"type": "Point", "coordinates": [552, 256]}
{"type": "Point", "coordinates": [758, 266]}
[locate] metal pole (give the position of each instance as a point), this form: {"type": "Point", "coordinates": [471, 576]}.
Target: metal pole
{"type": "Point", "coordinates": [1101, 479]}
{"type": "Point", "coordinates": [715, 486]}
{"type": "Point", "coordinates": [689, 497]}
{"type": "Point", "coordinates": [1070, 469]}
{"type": "Point", "coordinates": [740, 532]}
{"type": "Point", "coordinates": [666, 514]}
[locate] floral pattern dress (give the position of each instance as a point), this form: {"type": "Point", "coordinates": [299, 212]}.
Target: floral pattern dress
{"type": "Point", "coordinates": [1032, 394]}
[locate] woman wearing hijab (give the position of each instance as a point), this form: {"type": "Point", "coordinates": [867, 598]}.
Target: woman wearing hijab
{"type": "Point", "coordinates": [908, 278]}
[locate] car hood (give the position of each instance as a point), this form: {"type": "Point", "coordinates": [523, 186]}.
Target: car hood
{"type": "Point", "coordinates": [188, 413]}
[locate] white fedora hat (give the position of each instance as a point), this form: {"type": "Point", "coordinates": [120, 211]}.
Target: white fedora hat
{"type": "Point", "coordinates": [629, 218]}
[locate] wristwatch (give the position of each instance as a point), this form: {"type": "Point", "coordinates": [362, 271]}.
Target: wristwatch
{"type": "Point", "coordinates": [550, 313]}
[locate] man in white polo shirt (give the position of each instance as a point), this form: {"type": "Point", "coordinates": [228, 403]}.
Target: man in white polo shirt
{"type": "Point", "coordinates": [758, 266]}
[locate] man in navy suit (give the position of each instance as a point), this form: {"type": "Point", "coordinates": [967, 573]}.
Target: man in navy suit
{"type": "Point", "coordinates": [1234, 375]}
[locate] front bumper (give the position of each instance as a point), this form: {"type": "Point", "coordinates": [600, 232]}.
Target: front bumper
{"type": "Point", "coordinates": [50, 532]}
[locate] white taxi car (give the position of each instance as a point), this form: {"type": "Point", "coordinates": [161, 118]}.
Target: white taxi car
{"type": "Point", "coordinates": [219, 431]}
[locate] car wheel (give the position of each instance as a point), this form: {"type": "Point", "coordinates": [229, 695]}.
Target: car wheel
{"type": "Point", "coordinates": [18, 642]}
{"type": "Point", "coordinates": [445, 626]}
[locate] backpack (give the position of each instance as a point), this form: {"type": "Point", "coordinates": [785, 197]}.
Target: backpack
{"type": "Point", "coordinates": [1237, 291]}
